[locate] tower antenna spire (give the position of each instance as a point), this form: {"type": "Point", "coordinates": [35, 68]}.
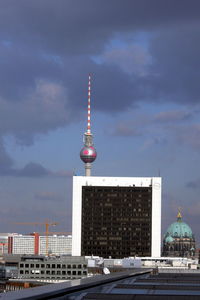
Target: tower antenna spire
{"type": "Point", "coordinates": [88, 153]}
{"type": "Point", "coordinates": [89, 94]}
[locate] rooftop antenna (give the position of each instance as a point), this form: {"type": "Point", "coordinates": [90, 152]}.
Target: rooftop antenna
{"type": "Point", "coordinates": [88, 153]}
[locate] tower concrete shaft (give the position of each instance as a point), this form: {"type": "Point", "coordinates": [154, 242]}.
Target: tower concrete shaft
{"type": "Point", "coordinates": [88, 167]}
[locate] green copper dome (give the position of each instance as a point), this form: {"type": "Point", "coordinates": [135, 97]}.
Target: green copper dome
{"type": "Point", "coordinates": [169, 239]}
{"type": "Point", "coordinates": [178, 229]}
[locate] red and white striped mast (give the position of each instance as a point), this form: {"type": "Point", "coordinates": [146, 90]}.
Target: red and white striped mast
{"type": "Point", "coordinates": [88, 153]}
{"type": "Point", "coordinates": [89, 94]}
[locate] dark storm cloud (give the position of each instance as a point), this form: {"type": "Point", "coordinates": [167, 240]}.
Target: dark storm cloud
{"type": "Point", "coordinates": [21, 66]}
{"type": "Point", "coordinates": [176, 66]}
{"type": "Point", "coordinates": [84, 26]}
{"type": "Point", "coordinates": [195, 184]}
{"type": "Point", "coordinates": [46, 49]}
{"type": "Point", "coordinates": [32, 169]}
{"type": "Point", "coordinates": [6, 162]}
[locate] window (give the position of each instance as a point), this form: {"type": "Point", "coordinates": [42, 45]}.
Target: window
{"type": "Point", "coordinates": [116, 224]}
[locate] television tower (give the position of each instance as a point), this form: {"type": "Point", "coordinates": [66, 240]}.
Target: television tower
{"type": "Point", "coordinates": [88, 153]}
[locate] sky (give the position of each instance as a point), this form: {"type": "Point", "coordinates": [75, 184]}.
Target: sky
{"type": "Point", "coordinates": [143, 57]}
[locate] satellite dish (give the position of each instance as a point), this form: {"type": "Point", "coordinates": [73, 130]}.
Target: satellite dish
{"type": "Point", "coordinates": [100, 261]}
{"type": "Point", "coordinates": [106, 271]}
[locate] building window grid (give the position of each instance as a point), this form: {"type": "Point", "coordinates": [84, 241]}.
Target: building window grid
{"type": "Point", "coordinates": [28, 269]}
{"type": "Point", "coordinates": [116, 219]}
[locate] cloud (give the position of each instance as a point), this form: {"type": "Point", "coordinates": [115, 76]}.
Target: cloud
{"type": "Point", "coordinates": [84, 27]}
{"type": "Point", "coordinates": [175, 70]}
{"type": "Point", "coordinates": [33, 50]}
{"type": "Point", "coordinates": [43, 74]}
{"type": "Point", "coordinates": [49, 196]}
{"type": "Point", "coordinates": [172, 116]}
{"type": "Point", "coordinates": [195, 184]}
{"type": "Point", "coordinates": [133, 59]}
{"type": "Point", "coordinates": [31, 169]}
{"type": "Point", "coordinates": [125, 129]}
{"type": "Point", "coordinates": [188, 135]}
{"type": "Point", "coordinates": [43, 109]}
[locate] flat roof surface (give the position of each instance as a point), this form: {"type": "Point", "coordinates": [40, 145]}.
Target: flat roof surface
{"type": "Point", "coordinates": [134, 284]}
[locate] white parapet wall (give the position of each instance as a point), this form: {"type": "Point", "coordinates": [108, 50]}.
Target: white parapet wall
{"type": "Point", "coordinates": [80, 181]}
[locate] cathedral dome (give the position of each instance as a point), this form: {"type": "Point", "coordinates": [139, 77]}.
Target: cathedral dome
{"type": "Point", "coordinates": [169, 239]}
{"type": "Point", "coordinates": [179, 229]}
{"type": "Point", "coordinates": [179, 240]}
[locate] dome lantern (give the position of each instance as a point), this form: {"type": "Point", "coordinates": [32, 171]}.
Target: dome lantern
{"type": "Point", "coordinates": [179, 216]}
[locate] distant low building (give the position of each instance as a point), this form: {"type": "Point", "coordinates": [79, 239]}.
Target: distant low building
{"type": "Point", "coordinates": [57, 244]}
{"type": "Point", "coordinates": [4, 242]}
{"type": "Point", "coordinates": [39, 267]}
{"type": "Point", "coordinates": [179, 240]}
{"type": "Point", "coordinates": [36, 244]}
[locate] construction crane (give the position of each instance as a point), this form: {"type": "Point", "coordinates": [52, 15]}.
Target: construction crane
{"type": "Point", "coordinates": [47, 224]}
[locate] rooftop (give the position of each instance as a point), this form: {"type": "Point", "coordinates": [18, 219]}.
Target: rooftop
{"type": "Point", "coordinates": [136, 284]}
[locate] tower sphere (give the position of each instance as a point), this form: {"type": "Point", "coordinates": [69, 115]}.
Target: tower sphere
{"type": "Point", "coordinates": [88, 154]}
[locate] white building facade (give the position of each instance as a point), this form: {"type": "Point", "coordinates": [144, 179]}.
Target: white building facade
{"type": "Point", "coordinates": [57, 245]}
{"type": "Point", "coordinates": [36, 244]}
{"type": "Point", "coordinates": [21, 244]}
{"type": "Point", "coordinates": [152, 185]}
